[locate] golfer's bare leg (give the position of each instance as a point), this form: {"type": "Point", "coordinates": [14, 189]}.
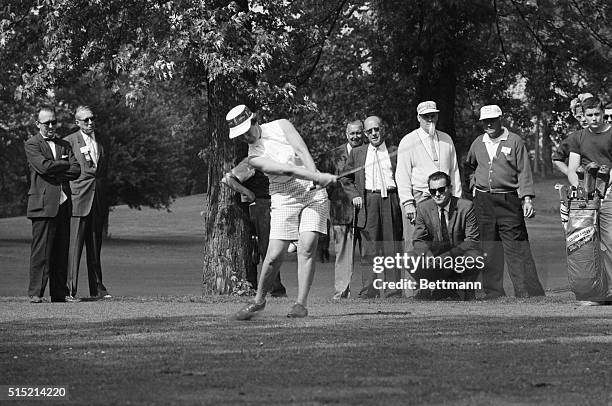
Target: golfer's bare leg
{"type": "Point", "coordinates": [307, 247]}
{"type": "Point", "coordinates": [270, 268]}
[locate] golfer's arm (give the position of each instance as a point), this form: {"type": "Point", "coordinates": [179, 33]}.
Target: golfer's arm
{"type": "Point", "coordinates": [270, 167]}
{"type": "Point", "coordinates": [300, 148]}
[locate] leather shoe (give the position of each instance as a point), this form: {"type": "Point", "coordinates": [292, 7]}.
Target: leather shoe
{"type": "Point", "coordinates": [297, 310]}
{"type": "Point", "coordinates": [36, 299]}
{"type": "Point", "coordinates": [248, 311]}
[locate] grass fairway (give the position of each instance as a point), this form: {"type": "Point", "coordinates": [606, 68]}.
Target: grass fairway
{"type": "Point", "coordinates": [188, 351]}
{"type": "Point", "coordinates": [159, 342]}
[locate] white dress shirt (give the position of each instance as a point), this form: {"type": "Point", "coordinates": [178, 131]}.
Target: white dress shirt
{"type": "Point", "coordinates": [90, 141]}
{"type": "Point", "coordinates": [373, 178]}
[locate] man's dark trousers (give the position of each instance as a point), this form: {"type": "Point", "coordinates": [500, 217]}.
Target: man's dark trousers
{"type": "Point", "coordinates": [382, 235]}
{"type": "Point", "coordinates": [87, 230]}
{"type": "Point", "coordinates": [49, 256]}
{"type": "Point", "coordinates": [503, 232]}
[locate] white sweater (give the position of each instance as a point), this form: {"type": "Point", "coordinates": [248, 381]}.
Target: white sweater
{"type": "Point", "coordinates": [415, 164]}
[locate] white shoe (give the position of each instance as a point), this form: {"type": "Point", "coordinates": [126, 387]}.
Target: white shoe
{"type": "Point", "coordinates": [590, 303]}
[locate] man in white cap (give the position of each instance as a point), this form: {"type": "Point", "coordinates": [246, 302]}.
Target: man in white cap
{"type": "Point", "coordinates": [503, 189]}
{"type": "Point", "coordinates": [298, 210]}
{"type": "Point", "coordinates": [422, 152]}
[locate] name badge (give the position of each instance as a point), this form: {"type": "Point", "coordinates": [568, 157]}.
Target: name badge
{"type": "Point", "coordinates": [84, 149]}
{"type": "Point", "coordinates": [506, 150]}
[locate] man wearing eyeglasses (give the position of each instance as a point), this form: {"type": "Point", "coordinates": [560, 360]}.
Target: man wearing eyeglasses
{"type": "Point", "coordinates": [446, 229]}
{"type": "Point", "coordinates": [52, 165]}
{"type": "Point", "coordinates": [422, 152]}
{"type": "Point", "coordinates": [88, 203]}
{"type": "Point", "coordinates": [503, 189]}
{"type": "Point", "coordinates": [374, 193]}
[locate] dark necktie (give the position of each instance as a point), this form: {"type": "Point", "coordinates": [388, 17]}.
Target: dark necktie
{"type": "Point", "coordinates": [443, 226]}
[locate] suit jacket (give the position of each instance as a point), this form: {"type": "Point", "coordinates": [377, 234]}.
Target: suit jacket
{"type": "Point", "coordinates": [341, 206]}
{"type": "Point", "coordinates": [48, 175]}
{"type": "Point", "coordinates": [462, 228]}
{"type": "Point", "coordinates": [355, 183]}
{"type": "Point", "coordinates": [90, 184]}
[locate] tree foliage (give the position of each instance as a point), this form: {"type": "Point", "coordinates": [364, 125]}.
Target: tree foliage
{"type": "Point", "coordinates": [319, 63]}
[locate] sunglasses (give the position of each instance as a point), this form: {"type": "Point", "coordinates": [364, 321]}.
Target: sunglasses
{"type": "Point", "coordinates": [50, 122]}
{"type": "Point", "coordinates": [373, 130]}
{"type": "Point", "coordinates": [90, 119]}
{"type": "Point", "coordinates": [440, 190]}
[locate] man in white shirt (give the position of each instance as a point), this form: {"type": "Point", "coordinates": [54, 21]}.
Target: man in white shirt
{"type": "Point", "coordinates": [374, 192]}
{"type": "Point", "coordinates": [422, 152]}
{"type": "Point", "coordinates": [89, 204]}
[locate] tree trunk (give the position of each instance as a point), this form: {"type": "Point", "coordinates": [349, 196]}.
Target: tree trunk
{"type": "Point", "coordinates": [226, 234]}
{"type": "Point", "coordinates": [536, 147]}
{"type": "Point", "coordinates": [547, 165]}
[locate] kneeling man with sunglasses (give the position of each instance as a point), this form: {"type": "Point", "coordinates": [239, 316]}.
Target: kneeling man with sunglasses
{"type": "Point", "coordinates": [447, 241]}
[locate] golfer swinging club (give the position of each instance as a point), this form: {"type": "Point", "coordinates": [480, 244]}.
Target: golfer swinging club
{"type": "Point", "coordinates": [298, 212]}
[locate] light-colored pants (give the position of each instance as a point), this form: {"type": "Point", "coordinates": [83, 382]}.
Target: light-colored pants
{"type": "Point", "coordinates": [408, 226]}
{"type": "Point", "coordinates": [344, 244]}
{"type": "Point", "coordinates": [605, 233]}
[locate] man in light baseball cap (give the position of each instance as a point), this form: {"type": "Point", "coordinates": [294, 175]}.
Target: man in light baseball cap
{"type": "Point", "coordinates": [422, 152]}
{"type": "Point", "coordinates": [503, 189]}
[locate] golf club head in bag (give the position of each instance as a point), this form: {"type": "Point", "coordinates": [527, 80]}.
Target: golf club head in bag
{"type": "Point", "coordinates": [590, 177]}
{"type": "Point", "coordinates": [603, 180]}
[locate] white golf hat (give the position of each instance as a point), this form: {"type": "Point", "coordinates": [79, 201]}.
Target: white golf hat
{"type": "Point", "coordinates": [427, 107]}
{"type": "Point", "coordinates": [490, 111]}
{"type": "Point", "coordinates": [239, 120]}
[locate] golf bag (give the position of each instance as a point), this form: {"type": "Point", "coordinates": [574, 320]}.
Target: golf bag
{"type": "Point", "coordinates": [585, 265]}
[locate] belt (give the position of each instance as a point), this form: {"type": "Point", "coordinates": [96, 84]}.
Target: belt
{"type": "Point", "coordinates": [394, 190]}
{"type": "Point", "coordinates": [497, 192]}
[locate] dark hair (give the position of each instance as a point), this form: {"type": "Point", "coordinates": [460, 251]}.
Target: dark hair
{"type": "Point", "coordinates": [439, 175]}
{"type": "Point", "coordinates": [591, 103]}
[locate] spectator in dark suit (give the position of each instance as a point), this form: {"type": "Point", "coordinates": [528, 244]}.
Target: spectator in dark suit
{"type": "Point", "coordinates": [446, 228]}
{"type": "Point", "coordinates": [374, 192]}
{"type": "Point", "coordinates": [342, 213]}
{"type": "Point", "coordinates": [52, 164]}
{"type": "Point", "coordinates": [88, 203]}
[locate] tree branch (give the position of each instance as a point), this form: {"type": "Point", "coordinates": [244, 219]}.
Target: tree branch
{"type": "Point", "coordinates": [588, 27]}
{"type": "Point", "coordinates": [309, 73]}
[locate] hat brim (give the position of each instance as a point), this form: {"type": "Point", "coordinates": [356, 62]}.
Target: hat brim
{"type": "Point", "coordinates": [486, 116]}
{"type": "Point", "coordinates": [427, 111]}
{"type": "Point", "coordinates": [241, 128]}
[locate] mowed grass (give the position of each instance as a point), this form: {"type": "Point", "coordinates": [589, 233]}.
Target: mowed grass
{"type": "Point", "coordinates": [159, 352]}
{"type": "Point", "coordinates": [158, 341]}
